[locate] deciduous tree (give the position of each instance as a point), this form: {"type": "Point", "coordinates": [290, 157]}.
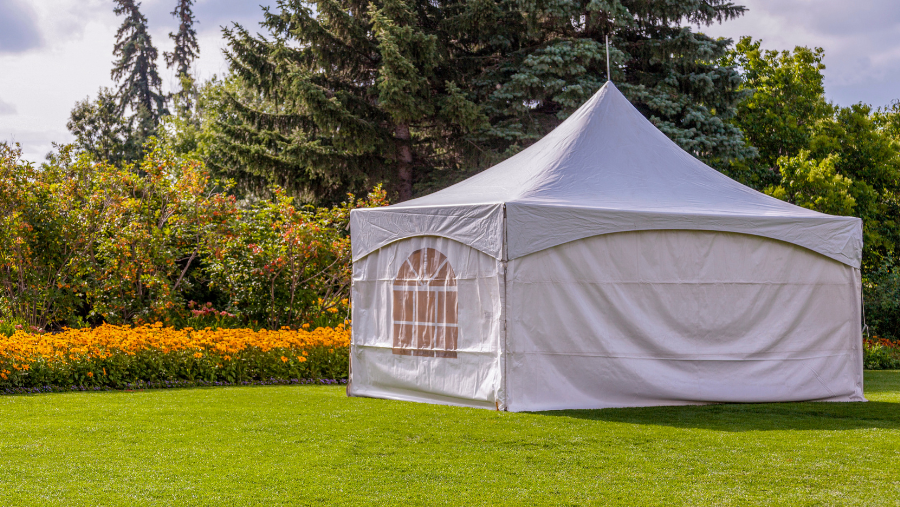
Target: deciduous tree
{"type": "Point", "coordinates": [787, 98]}
{"type": "Point", "coordinates": [871, 159]}
{"type": "Point", "coordinates": [814, 184]}
{"type": "Point", "coordinates": [101, 131]}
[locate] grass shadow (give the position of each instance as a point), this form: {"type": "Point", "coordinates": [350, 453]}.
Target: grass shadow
{"type": "Point", "coordinates": [753, 417]}
{"type": "Point", "coordinates": [767, 416]}
{"type": "Point", "coordinates": [831, 416]}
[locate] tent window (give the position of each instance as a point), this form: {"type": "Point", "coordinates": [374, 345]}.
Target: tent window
{"type": "Point", "coordinates": [425, 306]}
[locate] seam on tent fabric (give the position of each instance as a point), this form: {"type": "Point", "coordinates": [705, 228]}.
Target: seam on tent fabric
{"type": "Point", "coordinates": [401, 394]}
{"type": "Point", "coordinates": [419, 235]}
{"type": "Point", "coordinates": [839, 257]}
{"type": "Point", "coordinates": [816, 374]}
{"type": "Point", "coordinates": [458, 278]}
{"type": "Point", "coordinates": [697, 357]}
{"type": "Point", "coordinates": [588, 282]}
{"type": "Point", "coordinates": [387, 347]}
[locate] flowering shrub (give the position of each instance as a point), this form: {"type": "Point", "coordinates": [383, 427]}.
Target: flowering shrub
{"type": "Point", "coordinates": [115, 244]}
{"type": "Point", "coordinates": [50, 219]}
{"type": "Point", "coordinates": [84, 243]}
{"type": "Point", "coordinates": [162, 214]}
{"type": "Point", "coordinates": [116, 356]}
{"type": "Point", "coordinates": [283, 265]}
{"type": "Point", "coordinates": [881, 354]}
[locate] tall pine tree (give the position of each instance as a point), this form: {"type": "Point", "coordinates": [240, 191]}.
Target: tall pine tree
{"type": "Point", "coordinates": [419, 93]}
{"type": "Point", "coordinates": [136, 72]}
{"type": "Point", "coordinates": [186, 50]}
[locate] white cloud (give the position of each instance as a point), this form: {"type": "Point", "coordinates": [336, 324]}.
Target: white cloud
{"type": "Point", "coordinates": [18, 27]}
{"type": "Point", "coordinates": [862, 57]}
{"type": "Point", "coordinates": [43, 84]}
{"type": "Point", "coordinates": [7, 109]}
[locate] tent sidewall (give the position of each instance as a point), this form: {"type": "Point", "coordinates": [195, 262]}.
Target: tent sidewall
{"type": "Point", "coordinates": [676, 316]}
{"type": "Point", "coordinates": [473, 376]}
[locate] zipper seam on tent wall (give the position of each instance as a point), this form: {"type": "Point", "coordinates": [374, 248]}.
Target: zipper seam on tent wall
{"type": "Point", "coordinates": [504, 382]}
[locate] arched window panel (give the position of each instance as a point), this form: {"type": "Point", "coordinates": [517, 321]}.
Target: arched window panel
{"type": "Point", "coordinates": [425, 308]}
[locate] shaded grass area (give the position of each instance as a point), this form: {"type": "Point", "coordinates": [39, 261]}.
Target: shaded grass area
{"type": "Point", "coordinates": [310, 445]}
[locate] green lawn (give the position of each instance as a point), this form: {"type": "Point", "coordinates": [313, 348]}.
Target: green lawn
{"type": "Point", "coordinates": [310, 445]}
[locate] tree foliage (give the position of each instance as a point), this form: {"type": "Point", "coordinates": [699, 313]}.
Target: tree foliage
{"type": "Point", "coordinates": [887, 120]}
{"type": "Point", "coordinates": [136, 72]}
{"type": "Point", "coordinates": [787, 100]}
{"type": "Point", "coordinates": [343, 93]}
{"type": "Point", "coordinates": [285, 265]}
{"type": "Point", "coordinates": [840, 160]}
{"type": "Point", "coordinates": [85, 240]}
{"type": "Point", "coordinates": [814, 184]}
{"type": "Point", "coordinates": [186, 50]}
{"type": "Point", "coordinates": [48, 225]}
{"type": "Point", "coordinates": [871, 160]}
{"type": "Point", "coordinates": [101, 131]}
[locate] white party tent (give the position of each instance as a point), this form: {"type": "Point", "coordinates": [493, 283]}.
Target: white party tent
{"type": "Point", "coordinates": [604, 267]}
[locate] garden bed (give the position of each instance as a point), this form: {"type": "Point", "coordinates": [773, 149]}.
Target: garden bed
{"type": "Point", "coordinates": [121, 357]}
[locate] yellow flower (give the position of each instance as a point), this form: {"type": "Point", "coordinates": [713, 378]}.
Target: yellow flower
{"type": "Point", "coordinates": [24, 349]}
{"type": "Point", "coordinates": [90, 374]}
{"type": "Point", "coordinates": [284, 359]}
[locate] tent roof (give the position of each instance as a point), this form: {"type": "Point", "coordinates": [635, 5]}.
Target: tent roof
{"type": "Point", "coordinates": [604, 169]}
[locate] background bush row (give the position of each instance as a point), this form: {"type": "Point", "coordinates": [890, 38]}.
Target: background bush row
{"type": "Point", "coordinates": [83, 242]}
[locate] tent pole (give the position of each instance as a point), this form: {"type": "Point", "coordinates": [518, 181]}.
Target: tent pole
{"type": "Point", "coordinates": [504, 354]}
{"type": "Point", "coordinates": [608, 76]}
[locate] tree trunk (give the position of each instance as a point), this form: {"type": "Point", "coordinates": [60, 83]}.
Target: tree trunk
{"type": "Point", "coordinates": [404, 161]}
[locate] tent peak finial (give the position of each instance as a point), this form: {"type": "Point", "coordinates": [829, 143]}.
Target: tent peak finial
{"type": "Point", "coordinates": [608, 75]}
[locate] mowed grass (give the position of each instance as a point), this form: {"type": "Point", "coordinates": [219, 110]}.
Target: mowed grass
{"type": "Point", "coordinates": [311, 445]}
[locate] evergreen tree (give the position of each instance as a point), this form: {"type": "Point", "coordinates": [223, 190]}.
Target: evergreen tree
{"type": "Point", "coordinates": [186, 50]}
{"type": "Point", "coordinates": [100, 130]}
{"type": "Point", "coordinates": [420, 93]}
{"type": "Point", "coordinates": [136, 72]}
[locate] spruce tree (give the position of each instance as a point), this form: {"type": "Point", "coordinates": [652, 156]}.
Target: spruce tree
{"type": "Point", "coordinates": [136, 72]}
{"type": "Point", "coordinates": [420, 93]}
{"type": "Point", "coordinates": [186, 50]}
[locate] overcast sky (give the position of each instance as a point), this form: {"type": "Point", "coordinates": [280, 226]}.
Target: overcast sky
{"type": "Point", "coordinates": [56, 52]}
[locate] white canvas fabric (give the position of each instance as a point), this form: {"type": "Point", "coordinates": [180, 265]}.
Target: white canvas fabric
{"type": "Point", "coordinates": [605, 169]}
{"type": "Point", "coordinates": [473, 377]}
{"type": "Point", "coordinates": [676, 317]}
{"type": "Point", "coordinates": [478, 226]}
{"type": "Point", "coordinates": [604, 266]}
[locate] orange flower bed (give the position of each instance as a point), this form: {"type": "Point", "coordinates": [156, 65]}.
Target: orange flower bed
{"type": "Point", "coordinates": [118, 355]}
